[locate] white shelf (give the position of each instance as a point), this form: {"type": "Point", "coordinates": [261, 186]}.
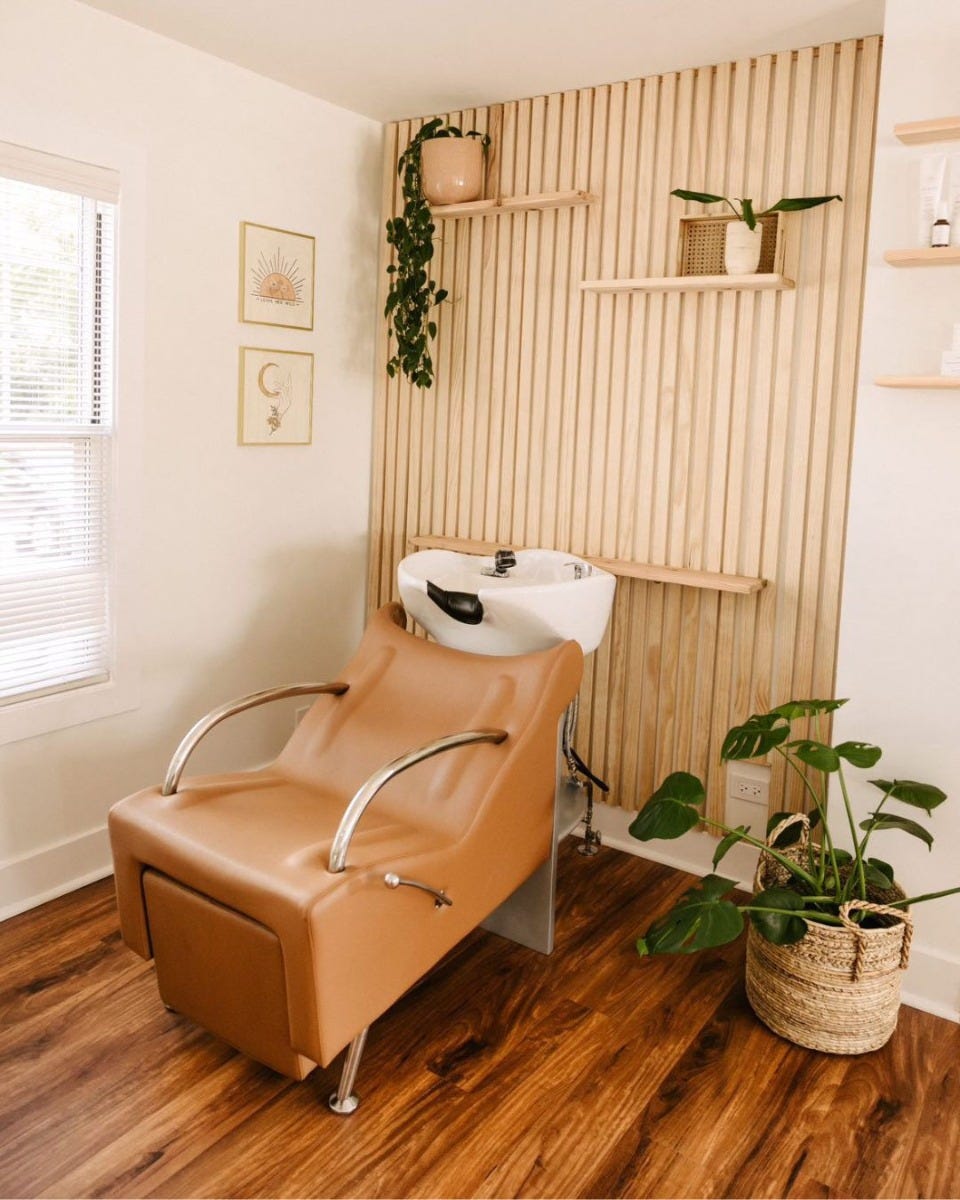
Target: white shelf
{"type": "Point", "coordinates": [691, 283]}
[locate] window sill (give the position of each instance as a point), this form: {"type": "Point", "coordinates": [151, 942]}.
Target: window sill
{"type": "Point", "coordinates": [46, 714]}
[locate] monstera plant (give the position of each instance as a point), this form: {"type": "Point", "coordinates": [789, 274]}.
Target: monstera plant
{"type": "Point", "coordinates": [819, 879]}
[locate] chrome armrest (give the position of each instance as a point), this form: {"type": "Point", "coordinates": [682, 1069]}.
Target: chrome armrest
{"type": "Point", "coordinates": [205, 724]}
{"type": "Point", "coordinates": [358, 805]}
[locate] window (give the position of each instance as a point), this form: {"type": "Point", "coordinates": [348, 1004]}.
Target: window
{"type": "Point", "coordinates": [57, 223]}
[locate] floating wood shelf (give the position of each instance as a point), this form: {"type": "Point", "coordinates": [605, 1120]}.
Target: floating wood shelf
{"type": "Point", "coordinates": [925, 256]}
{"type": "Point", "coordinates": [534, 203]}
{"type": "Point", "coordinates": [941, 129]}
{"type": "Point", "coordinates": [691, 283]}
{"type": "Point", "coordinates": [934, 382]}
{"type": "Point", "coordinates": [743, 585]}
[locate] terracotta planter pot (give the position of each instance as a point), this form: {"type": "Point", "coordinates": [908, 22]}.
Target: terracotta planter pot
{"type": "Point", "coordinates": [452, 170]}
{"type": "Point", "coordinates": [741, 251]}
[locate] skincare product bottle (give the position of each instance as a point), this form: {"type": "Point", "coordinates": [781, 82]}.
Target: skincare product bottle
{"type": "Point", "coordinates": [940, 232]}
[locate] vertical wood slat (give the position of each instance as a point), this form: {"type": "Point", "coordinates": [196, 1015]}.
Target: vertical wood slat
{"type": "Point", "coordinates": [378, 466]}
{"type": "Point", "coordinates": [598, 221]}
{"type": "Point", "coordinates": [700, 430]}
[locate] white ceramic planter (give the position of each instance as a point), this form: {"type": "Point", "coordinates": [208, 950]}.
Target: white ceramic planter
{"type": "Point", "coordinates": [452, 169]}
{"type": "Point", "coordinates": [741, 249]}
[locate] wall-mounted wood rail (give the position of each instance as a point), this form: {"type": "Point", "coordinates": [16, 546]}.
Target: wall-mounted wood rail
{"type": "Point", "coordinates": [691, 283]}
{"type": "Point", "coordinates": [924, 256]}
{"type": "Point", "coordinates": [742, 585]}
{"type": "Point", "coordinates": [540, 202]}
{"type": "Point", "coordinates": [932, 382]}
{"type": "Point", "coordinates": [940, 129]}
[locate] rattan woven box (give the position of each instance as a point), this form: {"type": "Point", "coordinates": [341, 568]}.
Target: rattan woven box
{"type": "Point", "coordinates": [701, 245]}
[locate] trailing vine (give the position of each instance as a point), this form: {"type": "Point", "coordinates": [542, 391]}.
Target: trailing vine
{"type": "Point", "coordinates": [412, 292]}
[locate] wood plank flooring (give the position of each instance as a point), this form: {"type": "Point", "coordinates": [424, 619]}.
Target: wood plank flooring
{"type": "Point", "coordinates": [504, 1073]}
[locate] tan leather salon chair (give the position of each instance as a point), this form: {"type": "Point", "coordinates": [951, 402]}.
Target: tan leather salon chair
{"type": "Point", "coordinates": [287, 908]}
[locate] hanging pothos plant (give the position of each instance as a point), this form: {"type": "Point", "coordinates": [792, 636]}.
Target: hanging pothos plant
{"type": "Point", "coordinates": [412, 292]}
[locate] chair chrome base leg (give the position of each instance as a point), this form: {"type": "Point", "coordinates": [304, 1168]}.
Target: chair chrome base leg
{"type": "Point", "coordinates": [343, 1108]}
{"type": "Point", "coordinates": [581, 776]}
{"type": "Point", "coordinates": [590, 844]}
{"type": "Point", "coordinates": [344, 1100]}
{"type": "Point", "coordinates": [591, 836]}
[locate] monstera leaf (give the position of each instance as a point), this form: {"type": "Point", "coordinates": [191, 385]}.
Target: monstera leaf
{"type": "Point", "coordinates": [783, 928]}
{"type": "Point", "coordinates": [881, 821]}
{"type": "Point", "coordinates": [727, 843]}
{"type": "Point", "coordinates": [878, 873]}
{"type": "Point", "coordinates": [918, 795]}
{"type": "Point", "coordinates": [701, 919]}
{"type": "Point", "coordinates": [859, 754]}
{"type": "Point", "coordinates": [815, 754]}
{"type": "Point", "coordinates": [672, 810]}
{"type": "Point", "coordinates": [806, 708]}
{"type": "Point", "coordinates": [792, 833]}
{"type": "Point", "coordinates": [758, 735]}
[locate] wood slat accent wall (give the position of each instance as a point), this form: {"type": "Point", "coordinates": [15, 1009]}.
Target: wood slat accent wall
{"type": "Point", "coordinates": [701, 430]}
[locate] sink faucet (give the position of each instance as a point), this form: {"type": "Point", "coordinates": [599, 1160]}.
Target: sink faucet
{"type": "Point", "coordinates": [503, 560]}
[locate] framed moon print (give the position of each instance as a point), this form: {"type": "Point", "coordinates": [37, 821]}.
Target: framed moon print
{"type": "Point", "coordinates": [276, 276]}
{"type": "Point", "coordinates": [276, 397]}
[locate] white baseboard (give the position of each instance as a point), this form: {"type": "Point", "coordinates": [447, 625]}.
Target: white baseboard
{"type": "Point", "coordinates": [53, 870]}
{"type": "Point", "coordinates": [932, 981]}
{"type": "Point", "coordinates": [693, 852]}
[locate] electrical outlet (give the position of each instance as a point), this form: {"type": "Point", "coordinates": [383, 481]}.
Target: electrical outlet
{"type": "Point", "coordinates": [743, 787]}
{"type": "Point", "coordinates": [299, 714]}
{"type": "Point", "coordinates": [748, 794]}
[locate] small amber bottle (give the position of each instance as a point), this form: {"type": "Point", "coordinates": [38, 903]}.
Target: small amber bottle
{"type": "Point", "coordinates": [940, 233]}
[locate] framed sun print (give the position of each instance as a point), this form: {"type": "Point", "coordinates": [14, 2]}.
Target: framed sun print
{"type": "Point", "coordinates": [276, 397]}
{"type": "Point", "coordinates": [276, 276]}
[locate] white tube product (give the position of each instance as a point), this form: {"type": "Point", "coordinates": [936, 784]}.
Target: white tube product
{"type": "Point", "coordinates": [950, 363]}
{"type": "Point", "coordinates": [953, 204]}
{"type": "Point", "coordinates": [933, 170]}
{"type": "Point", "coordinates": [950, 359]}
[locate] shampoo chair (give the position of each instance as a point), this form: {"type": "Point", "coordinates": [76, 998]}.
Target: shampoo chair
{"type": "Point", "coordinates": [287, 908]}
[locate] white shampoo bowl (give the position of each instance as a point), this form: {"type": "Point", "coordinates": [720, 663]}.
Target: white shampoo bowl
{"type": "Point", "coordinates": [548, 597]}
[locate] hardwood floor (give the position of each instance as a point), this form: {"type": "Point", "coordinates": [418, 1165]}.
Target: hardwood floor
{"type": "Point", "coordinates": [505, 1073]}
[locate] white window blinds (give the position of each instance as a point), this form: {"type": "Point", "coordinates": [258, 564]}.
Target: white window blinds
{"type": "Point", "coordinates": [56, 413]}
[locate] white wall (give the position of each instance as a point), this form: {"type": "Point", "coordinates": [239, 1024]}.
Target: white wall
{"type": "Point", "coordinates": [899, 656]}
{"type": "Point", "coordinates": [251, 561]}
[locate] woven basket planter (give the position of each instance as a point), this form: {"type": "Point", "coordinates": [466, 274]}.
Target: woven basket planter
{"type": "Point", "coordinates": [838, 989]}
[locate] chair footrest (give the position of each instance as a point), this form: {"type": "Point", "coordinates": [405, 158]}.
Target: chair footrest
{"type": "Point", "coordinates": [223, 970]}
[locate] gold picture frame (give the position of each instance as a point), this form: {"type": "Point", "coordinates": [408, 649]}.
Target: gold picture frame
{"type": "Point", "coordinates": [275, 397]}
{"type": "Point", "coordinates": [277, 273]}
